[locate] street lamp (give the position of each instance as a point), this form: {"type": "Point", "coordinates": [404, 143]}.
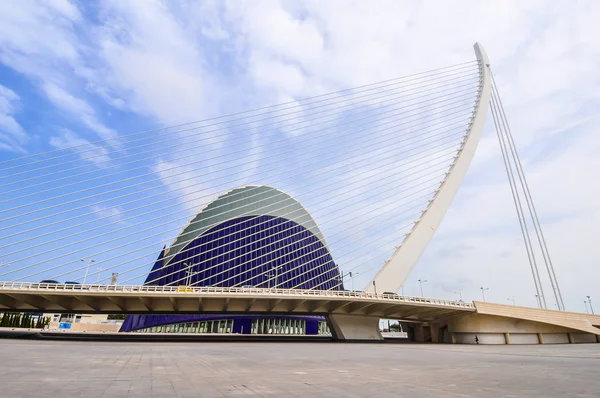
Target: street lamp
{"type": "Point", "coordinates": [483, 289]}
{"type": "Point", "coordinates": [421, 281]}
{"type": "Point", "coordinates": [352, 275]}
{"type": "Point", "coordinates": [459, 291]}
{"type": "Point", "coordinates": [513, 299]}
{"type": "Point", "coordinates": [586, 310]}
{"type": "Point", "coordinates": [277, 268]}
{"type": "Point", "coordinates": [87, 269]}
{"type": "Point", "coordinates": [590, 302]}
{"type": "Point", "coordinates": [98, 270]}
{"type": "Point", "coordinates": [188, 272]}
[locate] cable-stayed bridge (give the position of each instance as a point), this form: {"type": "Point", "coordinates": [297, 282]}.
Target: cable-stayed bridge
{"type": "Point", "coordinates": [281, 207]}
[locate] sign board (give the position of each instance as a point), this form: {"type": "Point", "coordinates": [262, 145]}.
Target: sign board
{"type": "Point", "coordinates": [64, 325]}
{"type": "Point", "coordinates": [395, 335]}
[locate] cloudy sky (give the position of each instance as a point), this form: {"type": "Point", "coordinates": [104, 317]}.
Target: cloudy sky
{"type": "Point", "coordinates": [74, 72]}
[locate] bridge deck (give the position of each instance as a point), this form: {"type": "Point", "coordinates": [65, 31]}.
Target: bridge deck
{"type": "Point", "coordinates": [172, 299]}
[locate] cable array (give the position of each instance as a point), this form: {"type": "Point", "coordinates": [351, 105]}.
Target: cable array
{"type": "Point", "coordinates": [364, 162]}
{"type": "Point", "coordinates": [523, 202]}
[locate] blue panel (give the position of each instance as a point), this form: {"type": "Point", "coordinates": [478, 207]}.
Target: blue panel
{"type": "Point", "coordinates": [242, 325]}
{"type": "Point", "coordinates": [312, 326]}
{"type": "Point", "coordinates": [245, 252]}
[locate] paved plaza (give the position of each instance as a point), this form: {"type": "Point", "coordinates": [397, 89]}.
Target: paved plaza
{"type": "Point", "coordinates": [31, 368]}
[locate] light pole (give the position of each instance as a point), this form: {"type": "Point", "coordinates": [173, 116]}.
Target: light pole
{"type": "Point", "coordinates": [586, 310]}
{"type": "Point", "coordinates": [277, 268]}
{"type": "Point", "coordinates": [87, 269]}
{"type": "Point", "coordinates": [98, 276]}
{"type": "Point", "coordinates": [188, 271]}
{"type": "Point", "coordinates": [421, 281]}
{"type": "Point", "coordinates": [483, 289]}
{"type": "Point", "coordinates": [590, 302]}
{"type": "Point", "coordinates": [459, 291]}
{"type": "Point", "coordinates": [352, 275]}
{"type": "Point", "coordinates": [513, 299]}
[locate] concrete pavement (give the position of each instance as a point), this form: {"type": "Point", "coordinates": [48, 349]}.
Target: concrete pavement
{"type": "Point", "coordinates": [109, 369]}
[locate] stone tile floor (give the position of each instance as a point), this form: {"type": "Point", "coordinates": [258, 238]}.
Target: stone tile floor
{"type": "Point", "coordinates": [31, 368]}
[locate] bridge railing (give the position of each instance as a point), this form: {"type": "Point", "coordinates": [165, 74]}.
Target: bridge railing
{"type": "Point", "coordinates": [228, 290]}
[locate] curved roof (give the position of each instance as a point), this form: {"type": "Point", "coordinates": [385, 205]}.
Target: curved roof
{"type": "Point", "coordinates": [249, 200]}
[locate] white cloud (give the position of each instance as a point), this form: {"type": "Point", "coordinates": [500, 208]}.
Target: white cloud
{"type": "Point", "coordinates": [113, 215]}
{"type": "Point", "coordinates": [12, 135]}
{"type": "Point", "coordinates": [39, 39]}
{"type": "Point", "coordinates": [86, 150]}
{"type": "Point", "coordinates": [66, 101]}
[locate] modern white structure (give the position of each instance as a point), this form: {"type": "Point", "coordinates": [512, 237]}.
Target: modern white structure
{"type": "Point", "coordinates": [397, 268]}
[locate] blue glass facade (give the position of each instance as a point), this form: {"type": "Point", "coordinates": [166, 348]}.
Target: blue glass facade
{"type": "Point", "coordinates": [259, 251]}
{"type": "Point", "coordinates": [246, 251]}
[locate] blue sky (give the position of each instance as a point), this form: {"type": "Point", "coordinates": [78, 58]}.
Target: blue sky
{"type": "Point", "coordinates": [78, 72]}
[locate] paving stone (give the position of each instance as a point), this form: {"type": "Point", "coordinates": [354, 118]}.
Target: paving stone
{"type": "Point", "coordinates": [30, 368]}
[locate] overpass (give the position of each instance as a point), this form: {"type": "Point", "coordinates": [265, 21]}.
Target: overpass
{"type": "Point", "coordinates": [352, 315]}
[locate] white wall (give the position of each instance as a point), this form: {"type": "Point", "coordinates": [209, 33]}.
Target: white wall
{"type": "Point", "coordinates": [524, 338]}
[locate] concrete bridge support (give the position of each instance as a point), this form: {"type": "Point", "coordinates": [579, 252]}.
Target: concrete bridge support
{"type": "Point", "coordinates": [354, 327]}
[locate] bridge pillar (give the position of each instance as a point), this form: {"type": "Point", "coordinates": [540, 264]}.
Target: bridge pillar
{"type": "Point", "coordinates": [354, 327]}
{"type": "Point", "coordinates": [435, 332]}
{"type": "Point", "coordinates": [419, 333]}
{"type": "Point", "coordinates": [453, 337]}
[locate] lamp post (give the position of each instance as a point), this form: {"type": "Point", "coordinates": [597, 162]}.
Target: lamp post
{"type": "Point", "coordinates": [513, 300]}
{"type": "Point", "coordinates": [87, 269]}
{"type": "Point", "coordinates": [586, 310]}
{"type": "Point", "coordinates": [459, 291]}
{"type": "Point", "coordinates": [421, 281]}
{"type": "Point", "coordinates": [277, 268]}
{"type": "Point", "coordinates": [352, 275]}
{"type": "Point", "coordinates": [483, 289]}
{"type": "Point", "coordinates": [590, 302]}
{"type": "Point", "coordinates": [98, 270]}
{"type": "Point", "coordinates": [188, 272]}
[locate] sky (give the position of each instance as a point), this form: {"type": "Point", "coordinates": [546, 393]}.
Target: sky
{"type": "Point", "coordinates": [74, 72]}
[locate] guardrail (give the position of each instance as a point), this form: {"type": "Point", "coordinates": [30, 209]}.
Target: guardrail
{"type": "Point", "coordinates": [228, 290]}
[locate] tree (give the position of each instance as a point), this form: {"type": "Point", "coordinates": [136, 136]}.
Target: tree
{"type": "Point", "coordinates": [4, 321]}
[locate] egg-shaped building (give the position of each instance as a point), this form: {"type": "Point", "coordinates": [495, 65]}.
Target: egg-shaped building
{"type": "Point", "coordinates": [250, 236]}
